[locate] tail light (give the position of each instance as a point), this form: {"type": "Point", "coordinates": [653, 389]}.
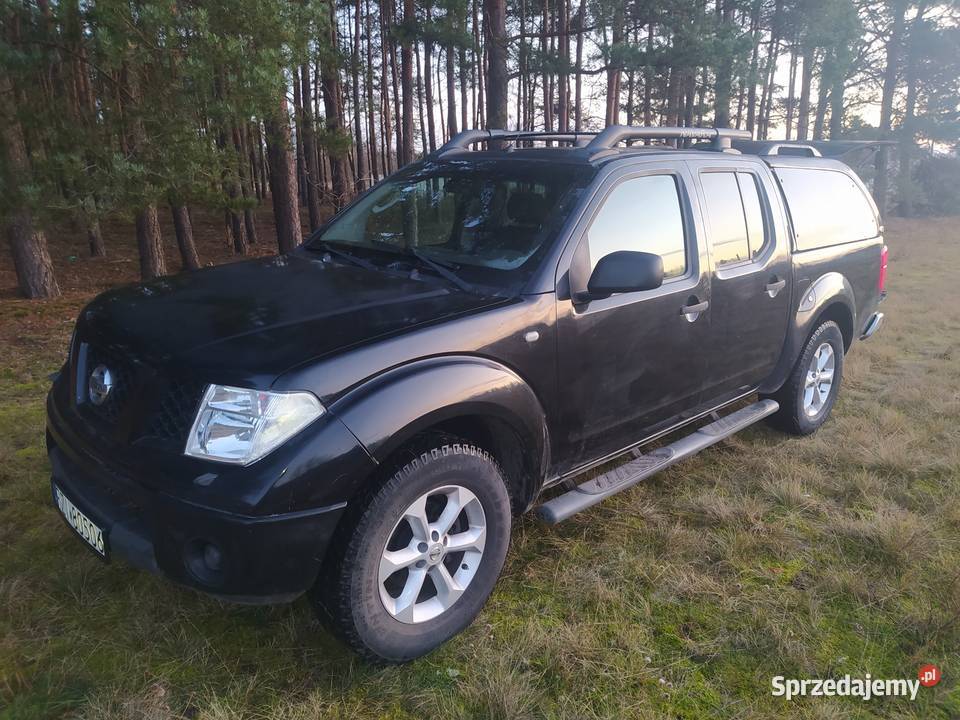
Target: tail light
{"type": "Point", "coordinates": [882, 279]}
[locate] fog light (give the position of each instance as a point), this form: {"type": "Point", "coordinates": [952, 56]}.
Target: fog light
{"type": "Point", "coordinates": [212, 557]}
{"type": "Point", "coordinates": [204, 560]}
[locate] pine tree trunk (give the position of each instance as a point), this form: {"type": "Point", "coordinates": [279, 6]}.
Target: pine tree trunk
{"type": "Point", "coordinates": [648, 79]}
{"type": "Point", "coordinates": [406, 63]}
{"type": "Point", "coordinates": [773, 53]}
{"type": "Point", "coordinates": [150, 243]}
{"type": "Point", "coordinates": [806, 80]}
{"type": "Point", "coordinates": [754, 65]}
{"type": "Point", "coordinates": [820, 117]}
{"type": "Point", "coordinates": [263, 169]}
{"type": "Point", "coordinates": [690, 102]}
{"type": "Point", "coordinates": [149, 239]}
{"type": "Point", "coordinates": [253, 163]}
{"type": "Point", "coordinates": [246, 184]}
{"type": "Point", "coordinates": [387, 121]}
{"type": "Point", "coordinates": [283, 179]}
{"type": "Point", "coordinates": [483, 62]}
{"type": "Point", "coordinates": [724, 72]}
{"type": "Point", "coordinates": [578, 89]}
{"type": "Point", "coordinates": [310, 158]}
{"type": "Point", "coordinates": [614, 70]}
{"type": "Point", "coordinates": [362, 171]}
{"type": "Point", "coordinates": [836, 105]}
{"type": "Point", "coordinates": [425, 143]}
{"type": "Point", "coordinates": [545, 53]}
{"type": "Point", "coordinates": [31, 259]}
{"type": "Point", "coordinates": [238, 231]}
{"type": "Point", "coordinates": [563, 78]}
{"type": "Point", "coordinates": [368, 81]}
{"type": "Point", "coordinates": [333, 118]}
{"type": "Point", "coordinates": [495, 35]}
{"type": "Point", "coordinates": [907, 129]}
{"type": "Point", "coordinates": [464, 118]}
{"type": "Point", "coordinates": [94, 233]}
{"type": "Point", "coordinates": [395, 76]}
{"type": "Point", "coordinates": [440, 103]}
{"type": "Point", "coordinates": [891, 73]}
{"type": "Point", "coordinates": [451, 92]}
{"type": "Point", "coordinates": [183, 227]}
{"type": "Point", "coordinates": [428, 83]}
{"type": "Point", "coordinates": [791, 89]}
{"type": "Point", "coordinates": [298, 134]}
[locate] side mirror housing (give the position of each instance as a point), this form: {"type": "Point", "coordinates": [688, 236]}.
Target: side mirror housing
{"type": "Point", "coordinates": [625, 271]}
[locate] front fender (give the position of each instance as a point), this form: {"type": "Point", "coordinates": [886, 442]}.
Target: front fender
{"type": "Point", "coordinates": [386, 411]}
{"type": "Point", "coordinates": [830, 289]}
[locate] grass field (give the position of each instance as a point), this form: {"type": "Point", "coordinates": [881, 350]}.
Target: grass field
{"type": "Point", "coordinates": [766, 555]}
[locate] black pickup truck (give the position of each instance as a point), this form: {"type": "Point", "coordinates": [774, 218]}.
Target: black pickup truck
{"type": "Point", "coordinates": [360, 418]}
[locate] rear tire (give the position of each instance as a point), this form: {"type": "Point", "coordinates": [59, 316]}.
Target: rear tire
{"type": "Point", "coordinates": [808, 395]}
{"type": "Point", "coordinates": [443, 576]}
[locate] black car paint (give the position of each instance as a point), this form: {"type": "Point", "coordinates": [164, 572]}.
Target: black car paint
{"type": "Point", "coordinates": [390, 354]}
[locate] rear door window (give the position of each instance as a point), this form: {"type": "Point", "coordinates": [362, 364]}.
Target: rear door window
{"type": "Point", "coordinates": [753, 211]}
{"type": "Point", "coordinates": [735, 213]}
{"type": "Point", "coordinates": [827, 207]}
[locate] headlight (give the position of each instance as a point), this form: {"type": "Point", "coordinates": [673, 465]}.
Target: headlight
{"type": "Point", "coordinates": [236, 425]}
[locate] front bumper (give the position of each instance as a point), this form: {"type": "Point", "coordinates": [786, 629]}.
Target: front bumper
{"type": "Point", "coordinates": [259, 559]}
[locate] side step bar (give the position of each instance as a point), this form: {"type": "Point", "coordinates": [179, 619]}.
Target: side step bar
{"type": "Point", "coordinates": [629, 474]}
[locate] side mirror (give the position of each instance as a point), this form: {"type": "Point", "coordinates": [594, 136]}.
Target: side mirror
{"type": "Point", "coordinates": [625, 271]}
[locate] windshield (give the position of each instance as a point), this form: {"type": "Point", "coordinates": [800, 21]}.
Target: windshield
{"type": "Point", "coordinates": [487, 220]}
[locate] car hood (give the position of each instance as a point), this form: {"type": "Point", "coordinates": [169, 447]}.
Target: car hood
{"type": "Point", "coordinates": [252, 320]}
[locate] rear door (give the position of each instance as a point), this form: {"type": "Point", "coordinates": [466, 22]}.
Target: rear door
{"type": "Point", "coordinates": [751, 285]}
{"type": "Point", "coordinates": [633, 361]}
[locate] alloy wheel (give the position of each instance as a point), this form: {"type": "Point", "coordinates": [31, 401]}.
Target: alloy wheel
{"type": "Point", "coordinates": [819, 380]}
{"type": "Point", "coordinates": [432, 554]}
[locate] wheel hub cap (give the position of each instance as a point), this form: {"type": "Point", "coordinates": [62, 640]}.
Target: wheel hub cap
{"type": "Point", "coordinates": [819, 380]}
{"type": "Point", "coordinates": [432, 554]}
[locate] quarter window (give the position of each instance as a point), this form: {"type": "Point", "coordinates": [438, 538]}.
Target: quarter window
{"type": "Point", "coordinates": [641, 214]}
{"type": "Point", "coordinates": [827, 207]}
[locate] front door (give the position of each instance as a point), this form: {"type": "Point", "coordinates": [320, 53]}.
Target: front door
{"type": "Point", "coordinates": [751, 282]}
{"type": "Point", "coordinates": [633, 362]}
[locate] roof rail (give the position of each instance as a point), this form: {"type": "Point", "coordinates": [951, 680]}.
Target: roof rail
{"type": "Point", "coordinates": [776, 149]}
{"type": "Point", "coordinates": [839, 149]}
{"type": "Point", "coordinates": [610, 137]}
{"type": "Point", "coordinates": [788, 148]}
{"type": "Point", "coordinates": [466, 138]}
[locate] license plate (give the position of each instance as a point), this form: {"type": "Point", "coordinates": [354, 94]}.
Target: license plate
{"type": "Point", "coordinates": [83, 525]}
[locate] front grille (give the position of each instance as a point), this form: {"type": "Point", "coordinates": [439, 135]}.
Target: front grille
{"type": "Point", "coordinates": [122, 372]}
{"type": "Point", "coordinates": [178, 406]}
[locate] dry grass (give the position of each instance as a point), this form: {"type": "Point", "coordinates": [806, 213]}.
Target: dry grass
{"type": "Point", "coordinates": [838, 553]}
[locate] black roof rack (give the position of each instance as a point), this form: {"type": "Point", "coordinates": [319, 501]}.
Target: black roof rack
{"type": "Point", "coordinates": [599, 144]}
{"type": "Point", "coordinates": [612, 136]}
{"type": "Point", "coordinates": [606, 139]}
{"type": "Point", "coordinates": [466, 138]}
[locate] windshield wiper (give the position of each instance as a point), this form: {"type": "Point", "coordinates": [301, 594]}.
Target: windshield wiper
{"type": "Point", "coordinates": [326, 246]}
{"type": "Point", "coordinates": [442, 271]}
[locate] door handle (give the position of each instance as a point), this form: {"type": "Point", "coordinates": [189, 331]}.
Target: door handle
{"type": "Point", "coordinates": [692, 312]}
{"type": "Point", "coordinates": [775, 286]}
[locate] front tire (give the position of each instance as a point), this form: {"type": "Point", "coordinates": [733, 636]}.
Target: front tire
{"type": "Point", "coordinates": [808, 395]}
{"type": "Point", "coordinates": [417, 561]}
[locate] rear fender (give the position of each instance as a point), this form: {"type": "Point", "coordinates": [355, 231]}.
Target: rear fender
{"type": "Point", "coordinates": [830, 293]}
